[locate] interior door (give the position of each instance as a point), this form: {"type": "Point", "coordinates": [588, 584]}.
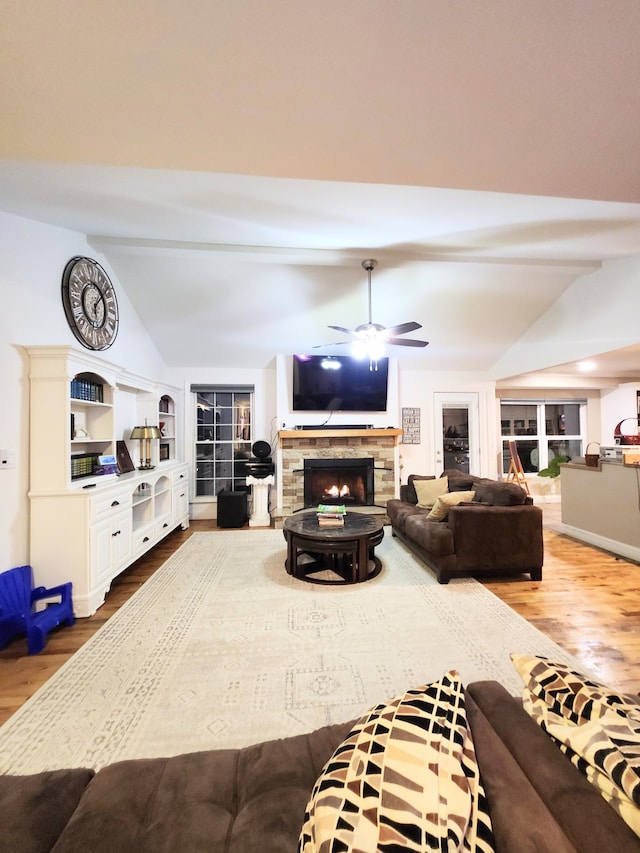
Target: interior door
{"type": "Point", "coordinates": [456, 433]}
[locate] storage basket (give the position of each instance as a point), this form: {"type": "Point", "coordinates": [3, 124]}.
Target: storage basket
{"type": "Point", "coordinates": [620, 438]}
{"type": "Point", "coordinates": [591, 459]}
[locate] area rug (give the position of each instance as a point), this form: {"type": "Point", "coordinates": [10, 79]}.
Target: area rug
{"type": "Point", "coordinates": [221, 648]}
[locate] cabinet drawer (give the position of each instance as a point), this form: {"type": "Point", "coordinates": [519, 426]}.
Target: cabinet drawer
{"type": "Point", "coordinates": [162, 526]}
{"type": "Point", "coordinates": [143, 539]}
{"type": "Point", "coordinates": [103, 506]}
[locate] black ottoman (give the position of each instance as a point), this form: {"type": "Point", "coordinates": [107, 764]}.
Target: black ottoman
{"type": "Point", "coordinates": [232, 509]}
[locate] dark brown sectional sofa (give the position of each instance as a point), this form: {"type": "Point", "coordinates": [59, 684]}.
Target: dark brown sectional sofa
{"type": "Point", "coordinates": [252, 800]}
{"type": "Point", "coordinates": [498, 533]}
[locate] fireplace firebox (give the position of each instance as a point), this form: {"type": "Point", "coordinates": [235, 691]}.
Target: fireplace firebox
{"type": "Point", "coordinates": [339, 481]}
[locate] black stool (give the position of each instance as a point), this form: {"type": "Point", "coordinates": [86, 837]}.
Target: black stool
{"type": "Point", "coordinates": [232, 509]}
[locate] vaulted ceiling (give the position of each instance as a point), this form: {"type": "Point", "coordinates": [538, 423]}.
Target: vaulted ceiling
{"type": "Point", "coordinates": [235, 162]}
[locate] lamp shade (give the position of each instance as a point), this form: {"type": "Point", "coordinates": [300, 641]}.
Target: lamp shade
{"type": "Point", "coordinates": [145, 431]}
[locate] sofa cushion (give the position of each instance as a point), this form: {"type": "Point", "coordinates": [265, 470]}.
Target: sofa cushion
{"type": "Point", "coordinates": [458, 480]}
{"type": "Point", "coordinates": [437, 539]}
{"type": "Point", "coordinates": [220, 801]}
{"type": "Point", "coordinates": [412, 497]}
{"type": "Point", "coordinates": [443, 504]}
{"type": "Point", "coordinates": [35, 809]}
{"type": "Point", "coordinates": [405, 778]}
{"type": "Point", "coordinates": [429, 490]}
{"type": "Point", "coordinates": [398, 512]}
{"type": "Point", "coordinates": [586, 819]}
{"type": "Point", "coordinates": [498, 493]}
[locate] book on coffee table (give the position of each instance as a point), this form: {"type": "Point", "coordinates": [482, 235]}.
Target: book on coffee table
{"type": "Point", "coordinates": [325, 521]}
{"type": "Point", "coordinates": [331, 515]}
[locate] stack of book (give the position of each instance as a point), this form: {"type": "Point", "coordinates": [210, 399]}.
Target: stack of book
{"type": "Point", "coordinates": [330, 515]}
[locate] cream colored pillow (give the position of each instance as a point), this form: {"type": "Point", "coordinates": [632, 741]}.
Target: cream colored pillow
{"type": "Point", "coordinates": [444, 503]}
{"type": "Point", "coordinates": [428, 491]}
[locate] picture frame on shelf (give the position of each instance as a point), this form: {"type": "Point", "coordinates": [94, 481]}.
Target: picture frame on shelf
{"type": "Point", "coordinates": [125, 463]}
{"type": "Point", "coordinates": [164, 451]}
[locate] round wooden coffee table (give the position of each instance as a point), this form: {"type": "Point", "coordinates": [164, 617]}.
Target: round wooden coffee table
{"type": "Point", "coordinates": [347, 551]}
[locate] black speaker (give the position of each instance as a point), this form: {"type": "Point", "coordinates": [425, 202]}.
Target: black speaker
{"type": "Point", "coordinates": [232, 509]}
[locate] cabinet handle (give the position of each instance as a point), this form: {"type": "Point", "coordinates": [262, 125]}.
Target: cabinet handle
{"type": "Point", "coordinates": [181, 476]}
{"type": "Point", "coordinates": [165, 524]}
{"type": "Point", "coordinates": [116, 533]}
{"type": "Point", "coordinates": [146, 539]}
{"type": "Point", "coordinates": [115, 503]}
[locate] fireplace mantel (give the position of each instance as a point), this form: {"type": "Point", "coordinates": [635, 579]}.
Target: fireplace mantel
{"type": "Point", "coordinates": [296, 445]}
{"type": "Point", "coordinates": [340, 433]}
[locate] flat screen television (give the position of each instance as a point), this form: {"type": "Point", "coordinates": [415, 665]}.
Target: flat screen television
{"type": "Point", "coordinates": [339, 383]}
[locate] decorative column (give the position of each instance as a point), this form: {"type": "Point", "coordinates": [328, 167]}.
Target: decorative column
{"type": "Point", "coordinates": [260, 493]}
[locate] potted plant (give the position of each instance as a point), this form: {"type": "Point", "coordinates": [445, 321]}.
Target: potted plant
{"type": "Point", "coordinates": [553, 469]}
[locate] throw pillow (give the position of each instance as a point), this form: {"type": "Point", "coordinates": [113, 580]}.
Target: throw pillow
{"type": "Point", "coordinates": [500, 493]}
{"type": "Point", "coordinates": [412, 497]}
{"type": "Point", "coordinates": [444, 503]}
{"type": "Point", "coordinates": [429, 490]}
{"type": "Point", "coordinates": [597, 728]}
{"type": "Point", "coordinates": [405, 778]}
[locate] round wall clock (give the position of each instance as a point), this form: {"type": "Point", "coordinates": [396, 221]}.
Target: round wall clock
{"type": "Point", "coordinates": [90, 303]}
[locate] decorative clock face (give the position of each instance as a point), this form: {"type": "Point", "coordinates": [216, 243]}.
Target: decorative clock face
{"type": "Point", "coordinates": [90, 303]}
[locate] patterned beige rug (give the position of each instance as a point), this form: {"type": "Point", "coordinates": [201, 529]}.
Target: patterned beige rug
{"type": "Point", "coordinates": [222, 648]}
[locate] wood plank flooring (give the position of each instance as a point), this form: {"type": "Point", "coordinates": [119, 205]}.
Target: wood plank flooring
{"type": "Point", "coordinates": [588, 602]}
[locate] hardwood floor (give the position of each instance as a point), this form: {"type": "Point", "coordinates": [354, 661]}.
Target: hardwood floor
{"type": "Point", "coordinates": [588, 602]}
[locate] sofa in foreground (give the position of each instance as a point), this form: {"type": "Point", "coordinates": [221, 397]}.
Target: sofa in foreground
{"type": "Point", "coordinates": [512, 790]}
{"type": "Point", "coordinates": [466, 525]}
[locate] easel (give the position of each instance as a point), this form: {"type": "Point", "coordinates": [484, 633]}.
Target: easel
{"type": "Point", "coordinates": [515, 473]}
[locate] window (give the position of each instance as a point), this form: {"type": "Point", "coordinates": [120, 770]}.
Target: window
{"type": "Point", "coordinates": [543, 429]}
{"type": "Point", "coordinates": [223, 420]}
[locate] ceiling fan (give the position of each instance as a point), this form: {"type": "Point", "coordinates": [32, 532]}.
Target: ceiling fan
{"type": "Point", "coordinates": [369, 339]}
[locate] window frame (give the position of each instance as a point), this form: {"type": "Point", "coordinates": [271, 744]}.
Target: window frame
{"type": "Point", "coordinates": [542, 438]}
{"type": "Point", "coordinates": [230, 442]}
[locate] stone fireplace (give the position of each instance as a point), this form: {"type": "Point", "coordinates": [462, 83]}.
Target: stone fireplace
{"type": "Point", "coordinates": [339, 481]}
{"type": "Point", "coordinates": [345, 445]}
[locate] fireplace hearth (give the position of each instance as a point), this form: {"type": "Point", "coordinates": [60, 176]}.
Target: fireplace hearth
{"type": "Point", "coordinates": [339, 481]}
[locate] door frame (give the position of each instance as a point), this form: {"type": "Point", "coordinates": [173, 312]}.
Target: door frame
{"type": "Point", "coordinates": [469, 400]}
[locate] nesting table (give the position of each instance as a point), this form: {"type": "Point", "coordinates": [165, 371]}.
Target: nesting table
{"type": "Point", "coordinates": [348, 551]}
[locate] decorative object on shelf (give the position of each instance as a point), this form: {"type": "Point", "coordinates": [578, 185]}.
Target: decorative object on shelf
{"type": "Point", "coordinates": [145, 435]}
{"type": "Point", "coordinates": [90, 304]}
{"type": "Point", "coordinates": [125, 463]}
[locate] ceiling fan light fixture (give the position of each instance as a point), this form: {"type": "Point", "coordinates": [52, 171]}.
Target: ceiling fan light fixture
{"type": "Point", "coordinates": [369, 339]}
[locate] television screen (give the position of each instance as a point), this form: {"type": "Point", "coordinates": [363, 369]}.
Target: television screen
{"type": "Point", "coordinates": [332, 383]}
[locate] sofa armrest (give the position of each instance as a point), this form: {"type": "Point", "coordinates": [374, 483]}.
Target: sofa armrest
{"type": "Point", "coordinates": [497, 537]}
{"type": "Point", "coordinates": [404, 494]}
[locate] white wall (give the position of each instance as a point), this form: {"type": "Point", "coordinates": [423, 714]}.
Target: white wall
{"type": "Point", "coordinates": [417, 389]}
{"type": "Point", "coordinates": [32, 259]}
{"type": "Point", "coordinates": [617, 405]}
{"type": "Point", "coordinates": [598, 313]}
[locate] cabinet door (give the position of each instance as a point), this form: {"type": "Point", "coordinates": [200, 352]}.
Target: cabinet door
{"type": "Point", "coordinates": [180, 506]}
{"type": "Point", "coordinates": [110, 547]}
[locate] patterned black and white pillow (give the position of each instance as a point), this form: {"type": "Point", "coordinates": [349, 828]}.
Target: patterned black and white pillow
{"type": "Point", "coordinates": [405, 778]}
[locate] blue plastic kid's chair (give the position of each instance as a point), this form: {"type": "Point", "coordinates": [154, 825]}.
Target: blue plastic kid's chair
{"type": "Point", "coordinates": [17, 608]}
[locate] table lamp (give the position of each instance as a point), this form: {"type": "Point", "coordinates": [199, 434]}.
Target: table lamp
{"type": "Point", "coordinates": [145, 434]}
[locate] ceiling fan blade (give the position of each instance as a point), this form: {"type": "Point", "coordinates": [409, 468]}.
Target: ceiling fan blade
{"type": "Point", "coordinates": [407, 342]}
{"type": "Point", "coordinates": [342, 329]}
{"type": "Point", "coordinates": [334, 344]}
{"type": "Point", "coordinates": [404, 327]}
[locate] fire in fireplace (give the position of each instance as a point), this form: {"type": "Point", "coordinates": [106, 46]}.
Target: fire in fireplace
{"type": "Point", "coordinates": [347, 481]}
